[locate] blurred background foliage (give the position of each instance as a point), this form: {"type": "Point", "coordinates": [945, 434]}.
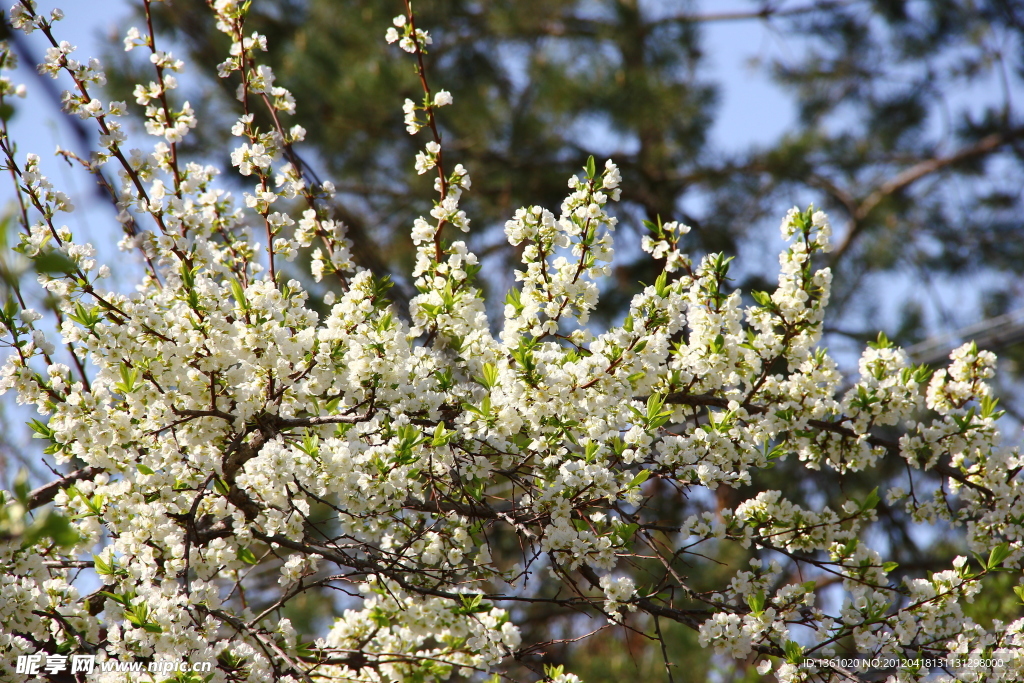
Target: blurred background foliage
{"type": "Point", "coordinates": [908, 132]}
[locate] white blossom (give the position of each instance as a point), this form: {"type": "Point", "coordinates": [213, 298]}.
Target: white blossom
{"type": "Point", "coordinates": [216, 412]}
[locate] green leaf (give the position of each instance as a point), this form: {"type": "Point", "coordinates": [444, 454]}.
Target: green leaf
{"type": "Point", "coordinates": [143, 469]}
{"type": "Point", "coordinates": [657, 228]}
{"type": "Point", "coordinates": [475, 489]}
{"type": "Point", "coordinates": [654, 404]}
{"type": "Point", "coordinates": [87, 317]}
{"type": "Point", "coordinates": [881, 342]}
{"type": "Point", "coordinates": [661, 284]}
{"type": "Point", "coordinates": [472, 604]}
{"type": "Point", "coordinates": [988, 408]}
{"type": "Point", "coordinates": [553, 671]}
{"type": "Point", "coordinates": [890, 567]}
{"type": "Point", "coordinates": [640, 478]}
{"type": "Point", "coordinates": [922, 373]}
{"type": "Point", "coordinates": [239, 293]}
{"type": "Point", "coordinates": [53, 262]}
{"type": "Point", "coordinates": [129, 376]}
{"type": "Point", "coordinates": [756, 603]}
{"type": "Point", "coordinates": [794, 652]}
{"type": "Point", "coordinates": [513, 299]}
{"type": "Point", "coordinates": [52, 525]}
{"type": "Point", "coordinates": [41, 430]}
{"type": "Point", "coordinates": [763, 299]}
{"type": "Point", "coordinates": [378, 617]}
{"type": "Point", "coordinates": [871, 501]}
{"type": "Point", "coordinates": [305, 649]}
{"type": "Point", "coordinates": [718, 344]}
{"type": "Point", "coordinates": [247, 556]}
{"type": "Point", "coordinates": [441, 436]}
{"type": "Point", "coordinates": [21, 487]}
{"type": "Point", "coordinates": [101, 566]}
{"type": "Point", "coordinates": [490, 376]}
{"type": "Point", "coordinates": [591, 168]}
{"type": "Point", "coordinates": [997, 556]}
{"type": "Point", "coordinates": [624, 532]}
{"type": "Point", "coordinates": [119, 599]}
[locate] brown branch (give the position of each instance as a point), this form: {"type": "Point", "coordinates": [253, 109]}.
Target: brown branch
{"type": "Point", "coordinates": [267, 643]}
{"type": "Point", "coordinates": [360, 565]}
{"type": "Point", "coordinates": [767, 11]}
{"type": "Point", "coordinates": [911, 175]}
{"type": "Point", "coordinates": [578, 26]}
{"type": "Point", "coordinates": [287, 422]}
{"type": "Point", "coordinates": [46, 493]}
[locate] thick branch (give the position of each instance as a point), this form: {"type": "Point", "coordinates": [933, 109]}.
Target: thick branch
{"type": "Point", "coordinates": [46, 493]}
{"type": "Point", "coordinates": [581, 26]}
{"type": "Point", "coordinates": [768, 11]}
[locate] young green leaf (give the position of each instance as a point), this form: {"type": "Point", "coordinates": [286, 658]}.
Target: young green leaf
{"type": "Point", "coordinates": [640, 478]}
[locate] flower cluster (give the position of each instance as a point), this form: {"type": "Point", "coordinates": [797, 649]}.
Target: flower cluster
{"type": "Point", "coordinates": [438, 476]}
